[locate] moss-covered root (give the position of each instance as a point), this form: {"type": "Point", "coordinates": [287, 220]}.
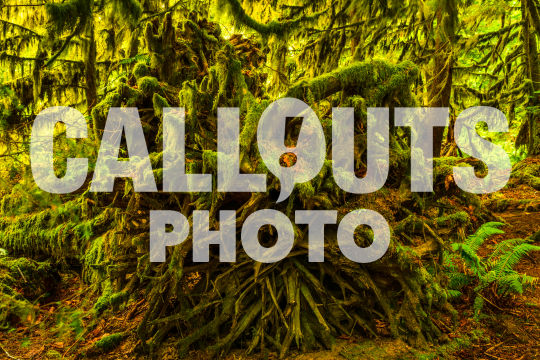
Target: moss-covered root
{"type": "Point", "coordinates": [22, 281]}
{"type": "Point", "coordinates": [108, 342]}
{"type": "Point", "coordinates": [527, 172]}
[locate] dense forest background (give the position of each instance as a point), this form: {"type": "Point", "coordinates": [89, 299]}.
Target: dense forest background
{"type": "Point", "coordinates": [458, 279]}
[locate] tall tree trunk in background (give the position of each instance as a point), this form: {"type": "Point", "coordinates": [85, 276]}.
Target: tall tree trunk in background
{"type": "Point", "coordinates": [440, 88]}
{"type": "Point", "coordinates": [531, 29]}
{"type": "Point", "coordinates": [90, 65]}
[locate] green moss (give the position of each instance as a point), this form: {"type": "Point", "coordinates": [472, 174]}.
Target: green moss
{"type": "Point", "coordinates": [21, 280]}
{"type": "Point", "coordinates": [109, 342]}
{"type": "Point", "coordinates": [444, 166]}
{"type": "Point", "coordinates": [371, 80]}
{"type": "Point", "coordinates": [37, 277]}
{"type": "Point", "coordinates": [104, 301]}
{"type": "Point", "coordinates": [458, 218]}
{"type": "Point", "coordinates": [159, 103]}
{"type": "Point", "coordinates": [148, 85]}
{"type": "Point", "coordinates": [128, 11]}
{"type": "Point", "coordinates": [64, 15]}
{"type": "Point", "coordinates": [141, 70]}
{"type": "Point", "coordinates": [155, 158]}
{"type": "Point", "coordinates": [53, 355]}
{"type": "Point", "coordinates": [209, 161]}
{"type": "Point", "coordinates": [109, 299]}
{"type": "Point", "coordinates": [130, 96]}
{"type": "Point", "coordinates": [93, 270]}
{"type": "Point", "coordinates": [274, 27]}
{"type": "Point", "coordinates": [101, 110]}
{"type": "Point", "coordinates": [226, 76]}
{"type": "Point", "coordinates": [527, 171]}
{"type": "Point", "coordinates": [410, 225]}
{"type": "Point", "coordinates": [251, 121]}
{"type": "Point", "coordinates": [500, 205]}
{"type": "Point", "coordinates": [117, 299]}
{"type": "Point", "coordinates": [305, 191]}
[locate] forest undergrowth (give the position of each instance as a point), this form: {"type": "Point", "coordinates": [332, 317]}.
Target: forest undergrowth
{"type": "Point", "coordinates": [508, 325]}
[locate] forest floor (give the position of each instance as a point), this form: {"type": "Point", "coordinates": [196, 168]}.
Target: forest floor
{"type": "Point", "coordinates": [509, 329]}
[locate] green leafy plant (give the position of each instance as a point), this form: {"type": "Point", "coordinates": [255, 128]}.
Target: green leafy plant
{"type": "Point", "coordinates": [466, 267]}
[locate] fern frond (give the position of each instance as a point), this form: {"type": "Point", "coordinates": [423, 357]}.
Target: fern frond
{"type": "Point", "coordinates": [470, 257]}
{"type": "Point", "coordinates": [503, 247]}
{"type": "Point", "coordinates": [458, 280]}
{"type": "Point", "coordinates": [452, 294]}
{"type": "Point", "coordinates": [510, 284]}
{"type": "Point", "coordinates": [488, 229]}
{"type": "Point", "coordinates": [509, 259]}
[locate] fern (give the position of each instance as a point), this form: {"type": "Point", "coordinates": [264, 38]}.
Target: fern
{"type": "Point", "coordinates": [496, 269]}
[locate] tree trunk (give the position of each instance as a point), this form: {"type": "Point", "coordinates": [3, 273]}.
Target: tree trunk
{"type": "Point", "coordinates": [90, 67]}
{"type": "Point", "coordinates": [530, 15]}
{"type": "Point", "coordinates": [440, 88]}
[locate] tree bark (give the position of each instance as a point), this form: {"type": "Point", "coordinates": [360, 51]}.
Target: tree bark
{"type": "Point", "coordinates": [440, 88]}
{"type": "Point", "coordinates": [530, 15]}
{"type": "Point", "coordinates": [90, 67]}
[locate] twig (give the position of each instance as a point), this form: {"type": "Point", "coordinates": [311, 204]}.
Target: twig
{"type": "Point", "coordinates": [494, 346]}
{"type": "Point", "coordinates": [72, 345]}
{"type": "Point", "coordinates": [7, 354]}
{"type": "Point", "coordinates": [491, 302]}
{"type": "Point", "coordinates": [20, 272]}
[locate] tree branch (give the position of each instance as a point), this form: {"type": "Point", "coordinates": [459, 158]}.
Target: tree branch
{"type": "Point", "coordinates": [171, 8]}
{"type": "Point", "coordinates": [78, 29]}
{"type": "Point", "coordinates": [376, 78]}
{"type": "Point", "coordinates": [20, 27]}
{"type": "Point", "coordinates": [273, 27]}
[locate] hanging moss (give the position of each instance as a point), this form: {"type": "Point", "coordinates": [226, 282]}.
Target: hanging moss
{"type": "Point", "coordinates": [93, 271]}
{"type": "Point", "coordinates": [159, 103]}
{"type": "Point", "coordinates": [209, 161]}
{"type": "Point", "coordinates": [251, 121]}
{"type": "Point", "coordinates": [101, 110]}
{"type": "Point", "coordinates": [128, 10]}
{"type": "Point", "coordinates": [65, 15]}
{"type": "Point", "coordinates": [273, 27]}
{"type": "Point", "coordinates": [226, 78]}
